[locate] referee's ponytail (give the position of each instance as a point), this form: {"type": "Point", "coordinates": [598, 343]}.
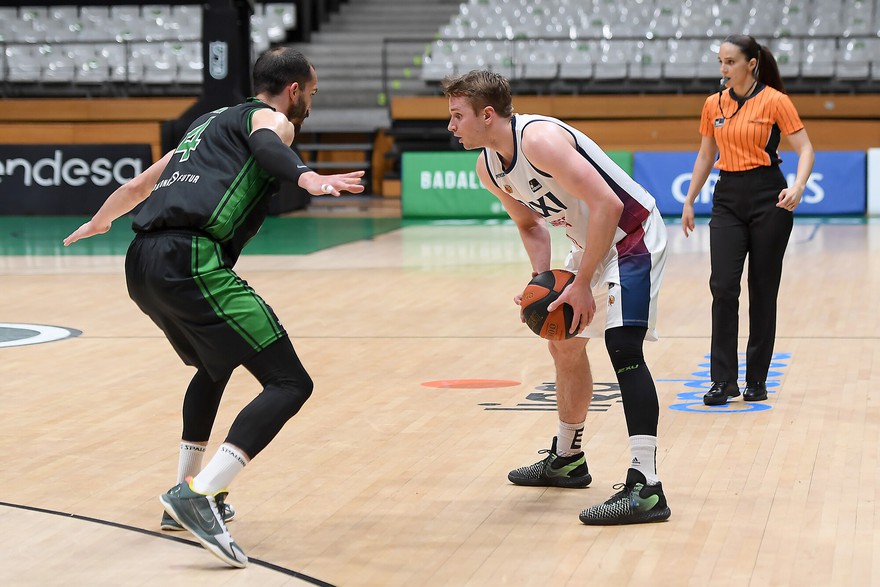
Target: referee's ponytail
{"type": "Point", "coordinates": [766, 70]}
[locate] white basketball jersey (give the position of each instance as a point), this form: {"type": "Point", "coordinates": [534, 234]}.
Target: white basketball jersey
{"type": "Point", "coordinates": [541, 192]}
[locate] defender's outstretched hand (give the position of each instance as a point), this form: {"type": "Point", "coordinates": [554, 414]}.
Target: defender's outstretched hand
{"type": "Point", "coordinates": [332, 185]}
{"type": "Point", "coordinates": [90, 228]}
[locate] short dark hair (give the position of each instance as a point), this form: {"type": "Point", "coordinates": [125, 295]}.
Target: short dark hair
{"type": "Point", "coordinates": [481, 88]}
{"type": "Point", "coordinates": [277, 68]}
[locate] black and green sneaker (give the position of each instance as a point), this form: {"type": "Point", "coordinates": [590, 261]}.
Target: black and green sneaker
{"type": "Point", "coordinates": [553, 471]}
{"type": "Point", "coordinates": [636, 502]}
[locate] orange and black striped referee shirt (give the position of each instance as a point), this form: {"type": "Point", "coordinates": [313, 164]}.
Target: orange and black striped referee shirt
{"type": "Point", "coordinates": [747, 131]}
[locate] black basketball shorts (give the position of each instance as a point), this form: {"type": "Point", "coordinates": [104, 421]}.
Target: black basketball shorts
{"type": "Point", "coordinates": [213, 318]}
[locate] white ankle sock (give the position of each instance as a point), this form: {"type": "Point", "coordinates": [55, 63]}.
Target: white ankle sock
{"type": "Point", "coordinates": [644, 456]}
{"type": "Point", "coordinates": [568, 440]}
{"type": "Point", "coordinates": [190, 463]}
{"type": "Point", "coordinates": [220, 471]}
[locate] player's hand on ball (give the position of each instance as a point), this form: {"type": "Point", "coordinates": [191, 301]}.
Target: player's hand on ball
{"type": "Point", "coordinates": [583, 307]}
{"type": "Point", "coordinates": [544, 310]}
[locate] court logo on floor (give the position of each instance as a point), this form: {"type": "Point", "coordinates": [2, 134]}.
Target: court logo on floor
{"type": "Point", "coordinates": [543, 399]}
{"type": "Point", "coordinates": [14, 334]}
{"type": "Point", "coordinates": [700, 381]}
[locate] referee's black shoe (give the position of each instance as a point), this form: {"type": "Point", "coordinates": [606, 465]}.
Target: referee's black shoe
{"type": "Point", "coordinates": [719, 392]}
{"type": "Point", "coordinates": [755, 392]}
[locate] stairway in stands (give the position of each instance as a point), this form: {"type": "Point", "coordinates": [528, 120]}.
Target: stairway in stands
{"type": "Point", "coordinates": [350, 110]}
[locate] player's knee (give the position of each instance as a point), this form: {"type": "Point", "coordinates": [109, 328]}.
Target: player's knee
{"type": "Point", "coordinates": [302, 391]}
{"type": "Point", "coordinates": [291, 394]}
{"type": "Point", "coordinates": [624, 345]}
{"type": "Point", "coordinates": [572, 349]}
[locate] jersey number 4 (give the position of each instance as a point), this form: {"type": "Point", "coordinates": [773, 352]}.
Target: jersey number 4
{"type": "Point", "coordinates": [192, 140]}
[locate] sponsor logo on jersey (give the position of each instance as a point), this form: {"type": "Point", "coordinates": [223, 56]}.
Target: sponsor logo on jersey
{"type": "Point", "coordinates": [545, 205]}
{"type": "Point", "coordinates": [177, 177]}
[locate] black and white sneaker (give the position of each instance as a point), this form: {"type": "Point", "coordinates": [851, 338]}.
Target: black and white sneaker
{"type": "Point", "coordinates": [636, 502]}
{"type": "Point", "coordinates": [553, 471]}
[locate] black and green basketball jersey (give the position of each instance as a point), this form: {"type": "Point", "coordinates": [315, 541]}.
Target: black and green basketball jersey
{"type": "Point", "coordinates": [213, 185]}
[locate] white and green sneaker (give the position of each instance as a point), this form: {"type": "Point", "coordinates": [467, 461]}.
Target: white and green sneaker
{"type": "Point", "coordinates": [636, 502]}
{"type": "Point", "coordinates": [553, 471]}
{"type": "Point", "coordinates": [200, 515]}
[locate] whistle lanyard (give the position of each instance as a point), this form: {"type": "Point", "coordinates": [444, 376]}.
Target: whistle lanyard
{"type": "Point", "coordinates": [739, 102]}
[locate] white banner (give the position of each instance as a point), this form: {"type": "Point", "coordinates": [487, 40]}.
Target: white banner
{"type": "Point", "coordinates": [874, 181]}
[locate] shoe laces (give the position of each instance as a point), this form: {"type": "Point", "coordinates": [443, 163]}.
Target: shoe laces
{"type": "Point", "coordinates": [220, 500]}
{"type": "Point", "coordinates": [550, 455]}
{"type": "Point", "coordinates": [623, 491]}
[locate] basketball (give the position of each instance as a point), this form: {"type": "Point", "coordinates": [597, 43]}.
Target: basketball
{"type": "Point", "coordinates": [540, 292]}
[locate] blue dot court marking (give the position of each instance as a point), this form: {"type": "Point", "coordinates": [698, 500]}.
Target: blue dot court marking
{"type": "Point", "coordinates": [698, 384]}
{"type": "Point", "coordinates": [13, 334]}
{"type": "Point", "coordinates": [728, 408]}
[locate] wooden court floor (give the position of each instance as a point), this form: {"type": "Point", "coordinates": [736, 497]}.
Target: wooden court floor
{"type": "Point", "coordinates": [428, 390]}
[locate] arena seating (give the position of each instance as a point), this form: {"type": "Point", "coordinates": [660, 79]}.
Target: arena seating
{"type": "Point", "coordinates": [544, 46]}
{"type": "Point", "coordinates": [650, 40]}
{"type": "Point", "coordinates": [155, 44]}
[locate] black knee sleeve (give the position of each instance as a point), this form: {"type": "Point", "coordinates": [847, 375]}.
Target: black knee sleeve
{"type": "Point", "coordinates": [286, 387]}
{"type": "Point", "coordinates": [262, 419]}
{"type": "Point", "coordinates": [624, 346]}
{"type": "Point", "coordinates": [637, 389]}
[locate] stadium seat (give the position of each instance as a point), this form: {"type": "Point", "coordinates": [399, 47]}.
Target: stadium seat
{"type": "Point", "coordinates": [23, 63]}
{"type": "Point", "coordinates": [854, 60]}
{"type": "Point", "coordinates": [189, 61]}
{"type": "Point", "coordinates": [540, 60]}
{"type": "Point", "coordinates": [788, 56]}
{"type": "Point", "coordinates": [577, 61]}
{"type": "Point", "coordinates": [613, 60]}
{"type": "Point", "coordinates": [818, 58]}
{"type": "Point", "coordinates": [644, 64]}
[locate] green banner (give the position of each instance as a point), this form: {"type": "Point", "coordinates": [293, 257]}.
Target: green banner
{"type": "Point", "coordinates": [445, 185]}
{"type": "Point", "coordinates": [624, 159]}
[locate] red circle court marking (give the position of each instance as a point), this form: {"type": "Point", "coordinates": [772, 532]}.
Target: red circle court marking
{"type": "Point", "coordinates": [470, 383]}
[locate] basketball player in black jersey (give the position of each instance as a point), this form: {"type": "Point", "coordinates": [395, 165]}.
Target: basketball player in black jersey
{"type": "Point", "coordinates": [203, 201]}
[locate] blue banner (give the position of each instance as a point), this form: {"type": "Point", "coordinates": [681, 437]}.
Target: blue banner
{"type": "Point", "coordinates": [837, 184]}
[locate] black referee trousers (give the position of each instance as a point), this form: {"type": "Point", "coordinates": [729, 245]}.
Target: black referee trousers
{"type": "Point", "coordinates": [746, 223]}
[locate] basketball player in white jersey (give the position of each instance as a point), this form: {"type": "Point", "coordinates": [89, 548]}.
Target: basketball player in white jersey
{"type": "Point", "coordinates": [546, 172]}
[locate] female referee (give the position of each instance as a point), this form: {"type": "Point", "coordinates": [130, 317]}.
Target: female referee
{"type": "Point", "coordinates": [752, 207]}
